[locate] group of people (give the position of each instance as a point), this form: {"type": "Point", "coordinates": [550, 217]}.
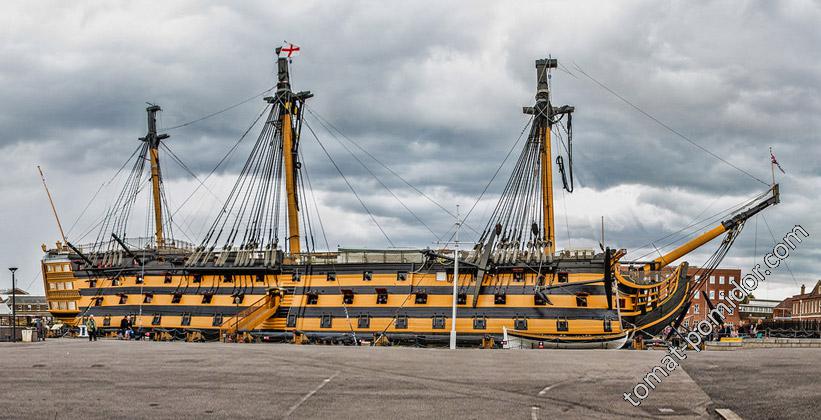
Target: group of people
{"type": "Point", "coordinates": [126, 331]}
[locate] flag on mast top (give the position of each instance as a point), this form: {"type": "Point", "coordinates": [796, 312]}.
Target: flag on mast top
{"type": "Point", "coordinates": [775, 162]}
{"type": "Point", "coordinates": [288, 50]}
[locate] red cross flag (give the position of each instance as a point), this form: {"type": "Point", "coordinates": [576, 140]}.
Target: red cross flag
{"type": "Point", "coordinates": [288, 50]}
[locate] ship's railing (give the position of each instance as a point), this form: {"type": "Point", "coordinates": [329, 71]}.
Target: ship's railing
{"type": "Point", "coordinates": [138, 243]}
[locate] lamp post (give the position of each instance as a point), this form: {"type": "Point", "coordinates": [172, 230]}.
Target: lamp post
{"type": "Point", "coordinates": [13, 305]}
{"type": "Point", "coordinates": [455, 281]}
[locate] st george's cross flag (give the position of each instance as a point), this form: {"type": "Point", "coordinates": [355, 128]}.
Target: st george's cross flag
{"type": "Point", "coordinates": [288, 50]}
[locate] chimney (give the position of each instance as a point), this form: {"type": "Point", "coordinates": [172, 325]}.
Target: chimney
{"type": "Point", "coordinates": [802, 289]}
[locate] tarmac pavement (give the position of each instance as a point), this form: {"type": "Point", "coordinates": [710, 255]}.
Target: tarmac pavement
{"type": "Point", "coordinates": [73, 378]}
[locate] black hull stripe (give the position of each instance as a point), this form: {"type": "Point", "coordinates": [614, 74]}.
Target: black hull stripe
{"type": "Point", "coordinates": [386, 312]}
{"type": "Point", "coordinates": [512, 289]}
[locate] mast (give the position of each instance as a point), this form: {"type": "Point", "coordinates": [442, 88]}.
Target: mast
{"type": "Point", "coordinates": [289, 105]}
{"type": "Point", "coordinates": [545, 115]}
{"type": "Point", "coordinates": [542, 118]}
{"type": "Point", "coordinates": [153, 140]}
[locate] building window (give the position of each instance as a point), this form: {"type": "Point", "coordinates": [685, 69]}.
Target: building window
{"type": "Point", "coordinates": [156, 320]}
{"type": "Point", "coordinates": [438, 322]}
{"type": "Point", "coordinates": [731, 278]}
{"type": "Point", "coordinates": [608, 325]}
{"type": "Point", "coordinates": [148, 298]}
{"type": "Point", "coordinates": [401, 275]}
{"type": "Point", "coordinates": [364, 321]}
{"type": "Point", "coordinates": [695, 308]}
{"type": "Point", "coordinates": [326, 321]}
{"type": "Point", "coordinates": [561, 324]}
{"type": "Point", "coordinates": [712, 294]}
{"type": "Point", "coordinates": [720, 294]}
{"type": "Point", "coordinates": [295, 277]}
{"type": "Point", "coordinates": [401, 322]}
{"type": "Point", "coordinates": [730, 310]}
{"type": "Point", "coordinates": [107, 321]}
{"type": "Point", "coordinates": [720, 279]}
{"type": "Point", "coordinates": [500, 298]}
{"type": "Point", "coordinates": [313, 298]}
{"type": "Point", "coordinates": [712, 279]}
{"type": "Point", "coordinates": [441, 276]}
{"type": "Point", "coordinates": [206, 298]}
{"type": "Point", "coordinates": [520, 324]}
{"type": "Point", "coordinates": [563, 277]}
{"type": "Point", "coordinates": [695, 297]}
{"type": "Point", "coordinates": [217, 320]}
{"type": "Point", "coordinates": [69, 285]}
{"type": "Point", "coordinates": [52, 286]}
{"type": "Point", "coordinates": [186, 319]}
{"type": "Point", "coordinates": [461, 298]}
{"type": "Point", "coordinates": [421, 298]}
{"type": "Point", "coordinates": [347, 296]}
{"type": "Point", "coordinates": [72, 305]}
{"type": "Point", "coordinates": [686, 323]}
{"type": "Point", "coordinates": [291, 321]}
{"type": "Point", "coordinates": [123, 298]}
{"type": "Point", "coordinates": [331, 276]}
{"type": "Point", "coordinates": [176, 298]}
{"type": "Point", "coordinates": [367, 276]}
{"type": "Point", "coordinates": [61, 286]}
{"type": "Point", "coordinates": [66, 267]}
{"type": "Point", "coordinates": [518, 276]}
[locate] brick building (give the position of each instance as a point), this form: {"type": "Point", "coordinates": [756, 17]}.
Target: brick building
{"type": "Point", "coordinates": [807, 305]}
{"type": "Point", "coordinates": [717, 288]}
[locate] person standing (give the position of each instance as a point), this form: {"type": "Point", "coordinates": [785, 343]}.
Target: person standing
{"type": "Point", "coordinates": [124, 324]}
{"type": "Point", "coordinates": [91, 327]}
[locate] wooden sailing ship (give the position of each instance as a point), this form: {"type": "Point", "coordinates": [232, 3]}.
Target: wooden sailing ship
{"type": "Point", "coordinates": [242, 283]}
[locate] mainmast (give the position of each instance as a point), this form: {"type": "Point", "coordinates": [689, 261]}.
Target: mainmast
{"type": "Point", "coordinates": [290, 108]}
{"type": "Point", "coordinates": [153, 140]}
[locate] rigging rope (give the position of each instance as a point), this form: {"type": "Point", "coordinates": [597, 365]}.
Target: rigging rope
{"type": "Point", "coordinates": [213, 114]}
{"type": "Point", "coordinates": [373, 219]}
{"type": "Point", "coordinates": [659, 122]}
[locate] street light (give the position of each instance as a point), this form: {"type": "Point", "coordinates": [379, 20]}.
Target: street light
{"type": "Point", "coordinates": [13, 305]}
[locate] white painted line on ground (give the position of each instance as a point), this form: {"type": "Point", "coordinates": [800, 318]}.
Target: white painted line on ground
{"type": "Point", "coordinates": [549, 387]}
{"type": "Point", "coordinates": [727, 414]}
{"type": "Point", "coordinates": [308, 395]}
{"type": "Point", "coordinates": [534, 413]}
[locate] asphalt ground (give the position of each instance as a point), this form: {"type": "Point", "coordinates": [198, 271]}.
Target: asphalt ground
{"type": "Point", "coordinates": [72, 378]}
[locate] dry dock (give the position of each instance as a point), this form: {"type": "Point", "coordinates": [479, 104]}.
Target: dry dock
{"type": "Point", "coordinates": [70, 378]}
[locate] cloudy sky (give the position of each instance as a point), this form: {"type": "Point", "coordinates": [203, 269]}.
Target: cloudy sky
{"type": "Point", "coordinates": [434, 90]}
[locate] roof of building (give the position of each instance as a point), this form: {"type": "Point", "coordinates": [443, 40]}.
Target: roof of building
{"type": "Point", "coordinates": [17, 290]}
{"type": "Point", "coordinates": [767, 303]}
{"type": "Point", "coordinates": [30, 299]}
{"type": "Point", "coordinates": [814, 292]}
{"type": "Point", "coordinates": [4, 309]}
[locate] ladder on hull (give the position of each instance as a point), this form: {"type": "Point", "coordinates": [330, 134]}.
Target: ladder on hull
{"type": "Point", "coordinates": [256, 314]}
